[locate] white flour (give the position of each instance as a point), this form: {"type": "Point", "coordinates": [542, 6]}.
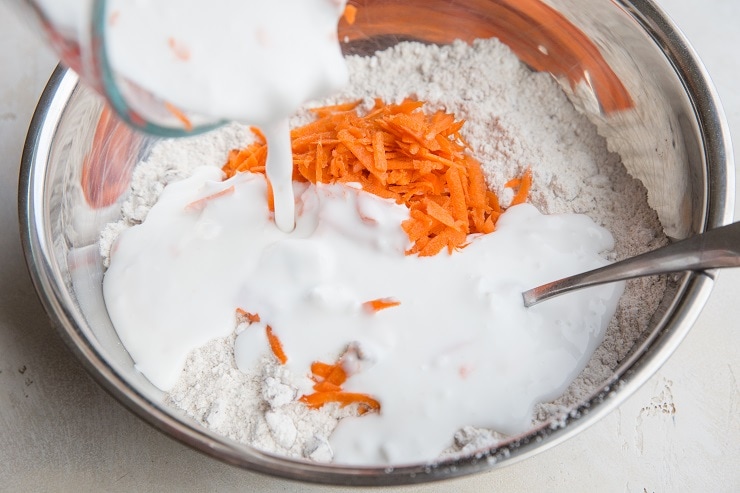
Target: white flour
{"type": "Point", "coordinates": [514, 119]}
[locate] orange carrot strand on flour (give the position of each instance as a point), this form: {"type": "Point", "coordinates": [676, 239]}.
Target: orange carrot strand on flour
{"type": "Point", "coordinates": [524, 185]}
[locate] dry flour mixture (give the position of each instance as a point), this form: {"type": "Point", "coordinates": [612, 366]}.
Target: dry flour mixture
{"type": "Point", "coordinates": [515, 119]}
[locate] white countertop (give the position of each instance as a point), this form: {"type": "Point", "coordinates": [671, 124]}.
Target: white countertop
{"type": "Point", "coordinates": [59, 431]}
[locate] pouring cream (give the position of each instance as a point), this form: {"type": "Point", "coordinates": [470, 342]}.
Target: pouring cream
{"type": "Point", "coordinates": [255, 62]}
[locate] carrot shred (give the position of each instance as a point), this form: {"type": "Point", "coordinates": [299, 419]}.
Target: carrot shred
{"type": "Point", "coordinates": [321, 369]}
{"type": "Point", "coordinates": [524, 185]}
{"type": "Point", "coordinates": [325, 386]}
{"type": "Point", "coordinates": [328, 387]}
{"type": "Point", "coordinates": [276, 346]}
{"type": "Point", "coordinates": [179, 49]}
{"type": "Point", "coordinates": [319, 399]}
{"type": "Point", "coordinates": [513, 183]}
{"type": "Point", "coordinates": [321, 160]}
{"type": "Point", "coordinates": [398, 152]}
{"type": "Point", "coordinates": [199, 205]}
{"type": "Point", "coordinates": [270, 196]}
{"type": "Point", "coordinates": [337, 375]}
{"type": "Point", "coordinates": [458, 206]}
{"type": "Point", "coordinates": [380, 162]}
{"type": "Point", "coordinates": [337, 108]}
{"type": "Point", "coordinates": [249, 317]}
{"type": "Point", "coordinates": [350, 14]}
{"type": "Point", "coordinates": [180, 115]}
{"type": "Point", "coordinates": [380, 304]}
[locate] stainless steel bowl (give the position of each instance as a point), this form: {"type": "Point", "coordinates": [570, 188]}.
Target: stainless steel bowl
{"type": "Point", "coordinates": [622, 62]}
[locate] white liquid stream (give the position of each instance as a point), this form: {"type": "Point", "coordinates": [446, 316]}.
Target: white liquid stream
{"type": "Point", "coordinates": [459, 350]}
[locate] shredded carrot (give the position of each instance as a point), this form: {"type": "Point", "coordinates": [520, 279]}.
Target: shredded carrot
{"type": "Point", "coordinates": [328, 387]}
{"type": "Point", "coordinates": [325, 386]}
{"type": "Point", "coordinates": [177, 113]}
{"type": "Point", "coordinates": [350, 14]}
{"type": "Point", "coordinates": [323, 372]}
{"type": "Point", "coordinates": [318, 399]}
{"type": "Point", "coordinates": [380, 304]}
{"type": "Point", "coordinates": [396, 151]}
{"type": "Point", "coordinates": [337, 376]}
{"type": "Point", "coordinates": [249, 317]}
{"type": "Point", "coordinates": [199, 204]}
{"type": "Point", "coordinates": [328, 110]}
{"type": "Point", "coordinates": [276, 346]}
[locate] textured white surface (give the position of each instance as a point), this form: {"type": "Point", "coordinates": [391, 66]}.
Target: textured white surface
{"type": "Point", "coordinates": [60, 432]}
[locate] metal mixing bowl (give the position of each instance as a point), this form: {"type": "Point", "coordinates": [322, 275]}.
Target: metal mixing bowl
{"type": "Point", "coordinates": [622, 62]}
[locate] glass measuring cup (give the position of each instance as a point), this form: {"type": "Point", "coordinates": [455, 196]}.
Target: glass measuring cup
{"type": "Point", "coordinates": [77, 31]}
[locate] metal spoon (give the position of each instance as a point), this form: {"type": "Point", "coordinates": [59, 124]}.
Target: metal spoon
{"type": "Point", "coordinates": [713, 249]}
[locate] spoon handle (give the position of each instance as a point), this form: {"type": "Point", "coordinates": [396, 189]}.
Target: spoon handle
{"type": "Point", "coordinates": [713, 249]}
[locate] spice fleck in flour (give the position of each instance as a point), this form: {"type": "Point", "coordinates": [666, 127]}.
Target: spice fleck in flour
{"type": "Point", "coordinates": [514, 120]}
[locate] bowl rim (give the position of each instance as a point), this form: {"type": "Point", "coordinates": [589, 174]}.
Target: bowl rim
{"type": "Point", "coordinates": [694, 290]}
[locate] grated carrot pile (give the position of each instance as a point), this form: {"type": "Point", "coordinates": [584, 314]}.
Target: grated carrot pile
{"type": "Point", "coordinates": [328, 388]}
{"type": "Point", "coordinates": [395, 151]}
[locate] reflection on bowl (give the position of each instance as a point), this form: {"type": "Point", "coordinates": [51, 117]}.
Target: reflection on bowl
{"type": "Point", "coordinates": [621, 63]}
